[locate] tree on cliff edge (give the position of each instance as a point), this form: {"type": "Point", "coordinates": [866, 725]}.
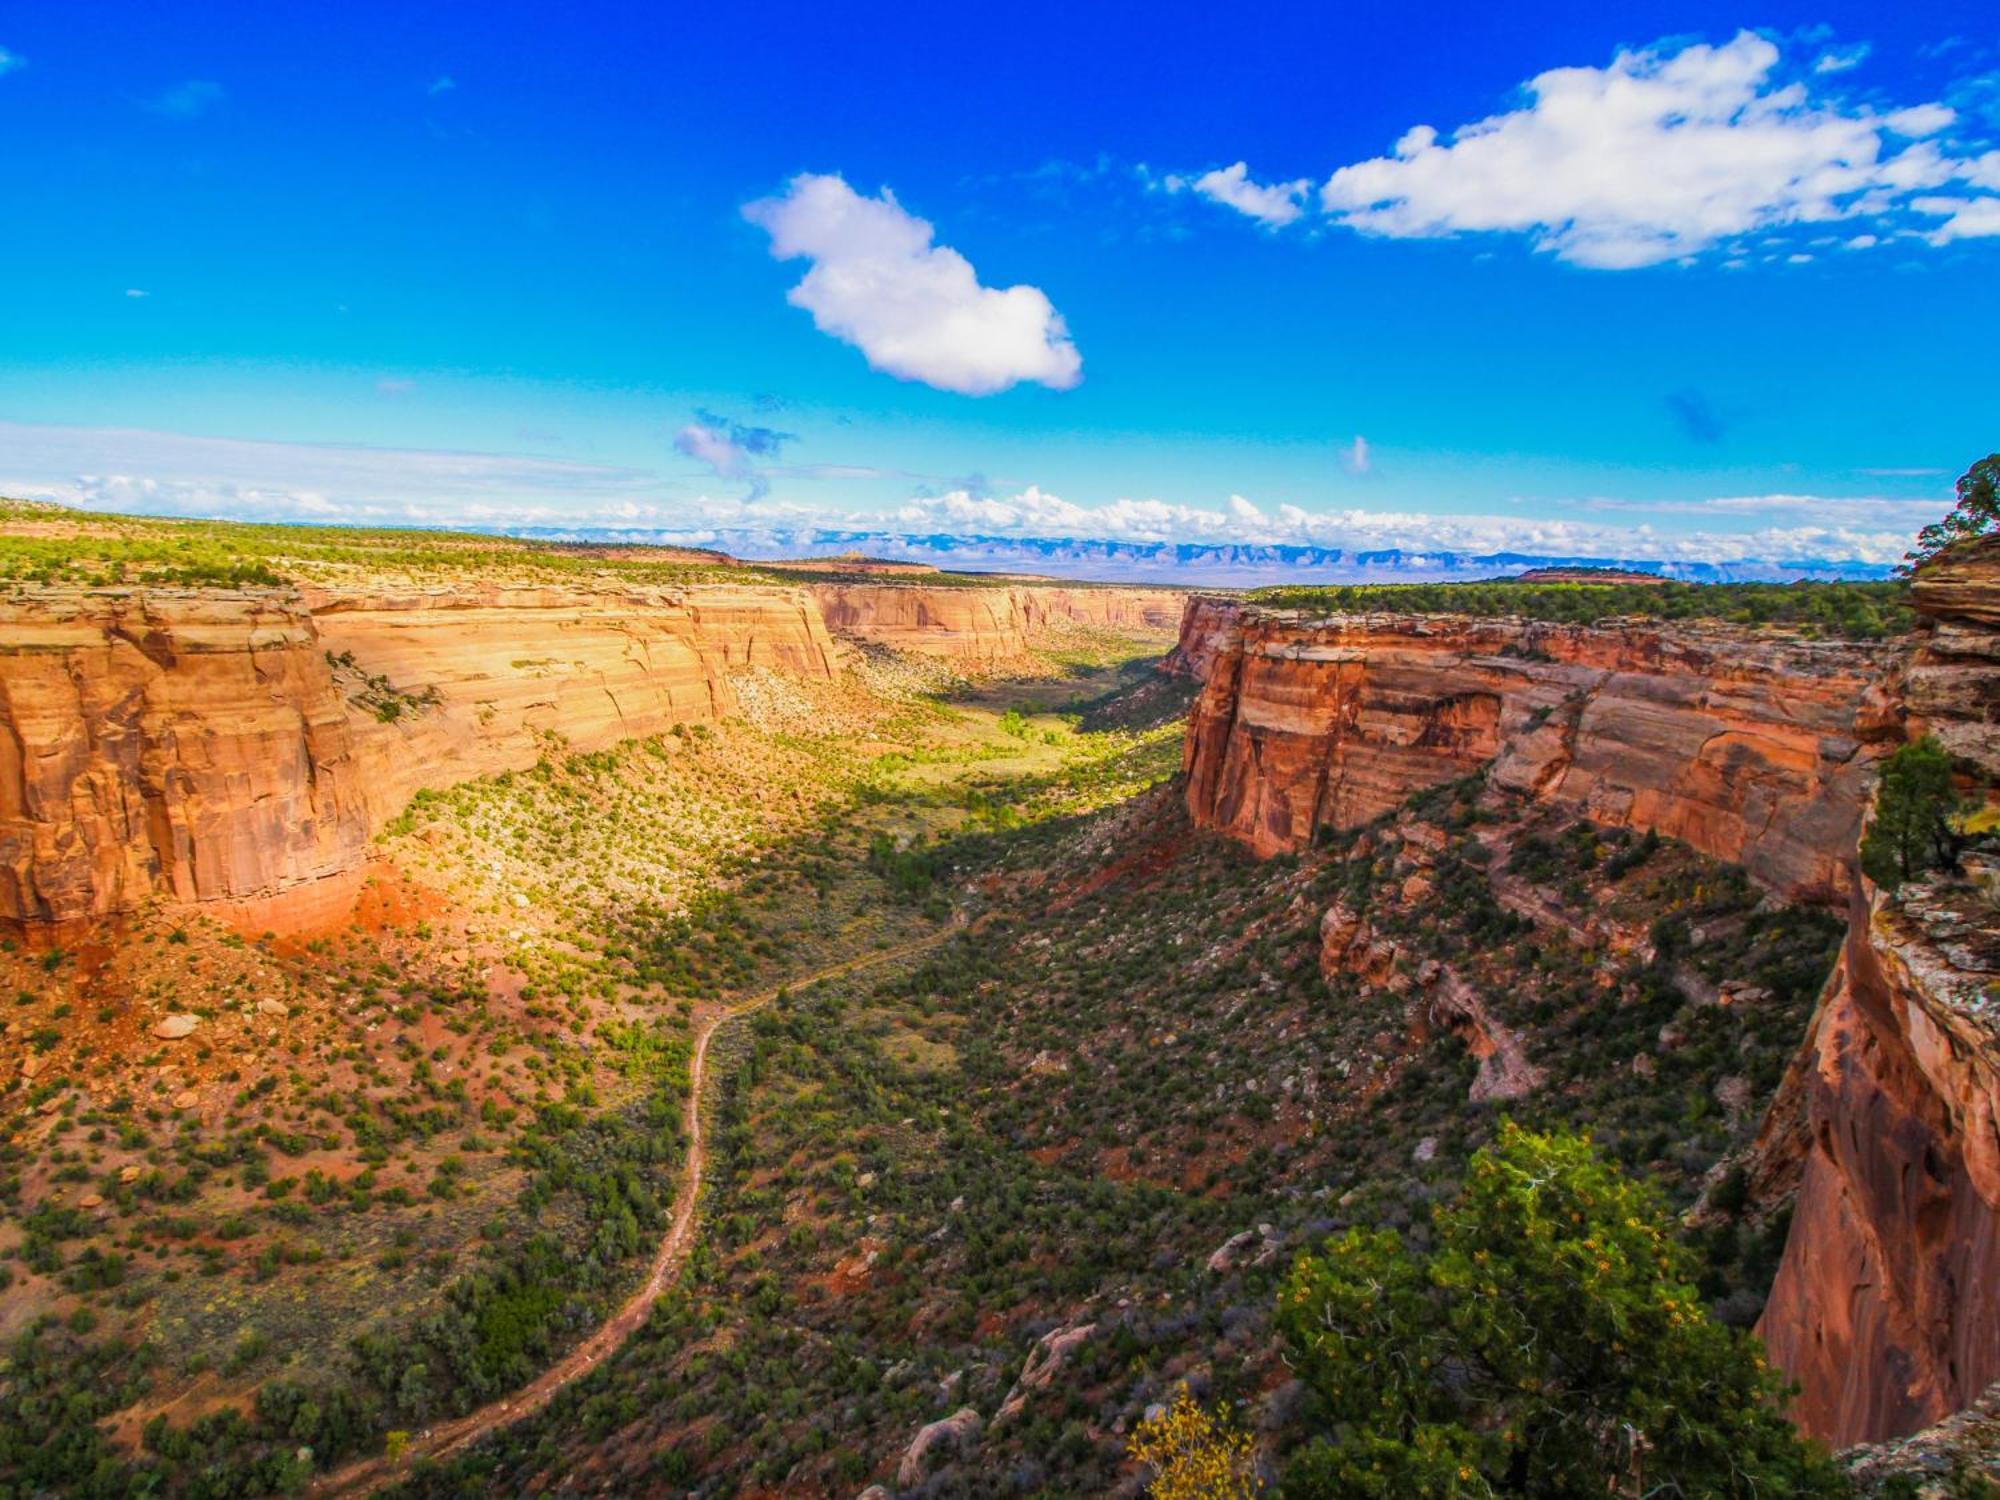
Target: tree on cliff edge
{"type": "Point", "coordinates": [1916, 816]}
{"type": "Point", "coordinates": [1976, 514]}
{"type": "Point", "coordinates": [1550, 1344]}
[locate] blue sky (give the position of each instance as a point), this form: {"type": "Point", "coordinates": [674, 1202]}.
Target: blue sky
{"type": "Point", "coordinates": [1719, 289]}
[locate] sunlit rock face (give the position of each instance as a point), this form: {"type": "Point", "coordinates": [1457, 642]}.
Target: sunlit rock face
{"type": "Point", "coordinates": [1205, 623]}
{"type": "Point", "coordinates": [1754, 749]}
{"type": "Point", "coordinates": [1886, 1308]}
{"type": "Point", "coordinates": [988, 624]}
{"type": "Point", "coordinates": [241, 747]}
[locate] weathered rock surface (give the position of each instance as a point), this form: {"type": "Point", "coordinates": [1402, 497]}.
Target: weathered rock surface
{"type": "Point", "coordinates": [1886, 1306]}
{"type": "Point", "coordinates": [1045, 1361]}
{"type": "Point", "coordinates": [987, 624]}
{"type": "Point", "coordinates": [1205, 623]}
{"type": "Point", "coordinates": [1753, 749]}
{"type": "Point", "coordinates": [1504, 1069]}
{"type": "Point", "coordinates": [235, 746]}
{"type": "Point", "coordinates": [189, 743]}
{"type": "Point", "coordinates": [954, 1436]}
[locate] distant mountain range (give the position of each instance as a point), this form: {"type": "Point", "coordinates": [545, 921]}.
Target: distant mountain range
{"type": "Point", "coordinates": [1195, 563]}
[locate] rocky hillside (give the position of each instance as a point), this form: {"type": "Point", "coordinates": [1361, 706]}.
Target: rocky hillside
{"type": "Point", "coordinates": [1758, 748]}
{"type": "Point", "coordinates": [1755, 749]}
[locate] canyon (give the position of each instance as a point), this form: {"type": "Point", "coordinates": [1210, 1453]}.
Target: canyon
{"type": "Point", "coordinates": [239, 752]}
{"type": "Point", "coordinates": [238, 748]}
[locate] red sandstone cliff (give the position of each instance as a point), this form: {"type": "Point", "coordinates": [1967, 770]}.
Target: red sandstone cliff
{"type": "Point", "coordinates": [1886, 1307]}
{"type": "Point", "coordinates": [1751, 748]}
{"type": "Point", "coordinates": [234, 746]}
{"type": "Point", "coordinates": [1205, 623]}
{"type": "Point", "coordinates": [190, 743]}
{"type": "Point", "coordinates": [988, 624]}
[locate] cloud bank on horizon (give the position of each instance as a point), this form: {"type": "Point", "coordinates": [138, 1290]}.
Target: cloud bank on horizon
{"type": "Point", "coordinates": [1665, 154]}
{"type": "Point", "coordinates": [171, 475]}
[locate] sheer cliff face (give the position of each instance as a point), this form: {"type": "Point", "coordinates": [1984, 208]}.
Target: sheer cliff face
{"type": "Point", "coordinates": [190, 744]}
{"type": "Point", "coordinates": [1887, 1301]}
{"type": "Point", "coordinates": [1205, 623]}
{"type": "Point", "coordinates": [1753, 750]}
{"type": "Point", "coordinates": [241, 748]}
{"type": "Point", "coordinates": [991, 624]}
{"type": "Point", "coordinates": [1886, 1307]}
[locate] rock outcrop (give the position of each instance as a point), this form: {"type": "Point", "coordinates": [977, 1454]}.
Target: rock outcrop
{"type": "Point", "coordinates": [988, 624]}
{"type": "Point", "coordinates": [955, 1436]}
{"type": "Point", "coordinates": [1752, 748]}
{"type": "Point", "coordinates": [187, 743]}
{"type": "Point", "coordinates": [1205, 622]}
{"type": "Point", "coordinates": [1886, 1306]}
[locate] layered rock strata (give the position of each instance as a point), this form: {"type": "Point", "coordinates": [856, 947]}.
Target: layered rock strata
{"type": "Point", "coordinates": [1886, 1306]}
{"type": "Point", "coordinates": [989, 624]}
{"type": "Point", "coordinates": [1754, 749]}
{"type": "Point", "coordinates": [232, 746]}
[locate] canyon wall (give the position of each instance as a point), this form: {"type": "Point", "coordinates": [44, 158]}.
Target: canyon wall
{"type": "Point", "coordinates": [1886, 1306]}
{"type": "Point", "coordinates": [190, 743]}
{"type": "Point", "coordinates": [989, 624]}
{"type": "Point", "coordinates": [236, 746]}
{"type": "Point", "coordinates": [1753, 748]}
{"type": "Point", "coordinates": [239, 748]}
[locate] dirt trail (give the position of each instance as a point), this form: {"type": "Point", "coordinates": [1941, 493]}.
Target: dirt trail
{"type": "Point", "coordinates": [363, 1476]}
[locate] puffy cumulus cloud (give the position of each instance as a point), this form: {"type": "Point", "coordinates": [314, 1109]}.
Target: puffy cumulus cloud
{"type": "Point", "coordinates": [1275, 204]}
{"type": "Point", "coordinates": [1666, 153]}
{"type": "Point", "coordinates": [914, 308]}
{"type": "Point", "coordinates": [731, 449]}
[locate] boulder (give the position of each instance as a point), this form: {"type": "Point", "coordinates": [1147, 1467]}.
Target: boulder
{"type": "Point", "coordinates": [1050, 1354]}
{"type": "Point", "coordinates": [954, 1436]}
{"type": "Point", "coordinates": [173, 1028]}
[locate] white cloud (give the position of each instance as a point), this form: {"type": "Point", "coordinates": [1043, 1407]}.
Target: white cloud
{"type": "Point", "coordinates": [171, 474]}
{"type": "Point", "coordinates": [915, 309]}
{"type": "Point", "coordinates": [136, 293]}
{"type": "Point", "coordinates": [1967, 218]}
{"type": "Point", "coordinates": [1775, 527]}
{"type": "Point", "coordinates": [1275, 204]}
{"type": "Point", "coordinates": [1664, 154]}
{"type": "Point", "coordinates": [1839, 61]}
{"type": "Point", "coordinates": [1355, 457]}
{"type": "Point", "coordinates": [1920, 119]}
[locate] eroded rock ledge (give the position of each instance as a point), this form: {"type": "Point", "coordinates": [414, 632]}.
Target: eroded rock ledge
{"type": "Point", "coordinates": [1752, 748]}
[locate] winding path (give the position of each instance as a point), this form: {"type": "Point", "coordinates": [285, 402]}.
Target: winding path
{"type": "Point", "coordinates": [365, 1475]}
